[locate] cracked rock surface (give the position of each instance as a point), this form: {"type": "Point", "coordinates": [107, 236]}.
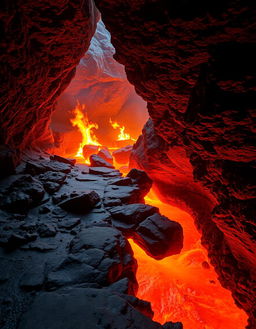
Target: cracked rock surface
{"type": "Point", "coordinates": [64, 255]}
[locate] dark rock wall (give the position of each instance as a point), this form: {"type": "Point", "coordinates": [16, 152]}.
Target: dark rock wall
{"type": "Point", "coordinates": [41, 46]}
{"type": "Point", "coordinates": [193, 62]}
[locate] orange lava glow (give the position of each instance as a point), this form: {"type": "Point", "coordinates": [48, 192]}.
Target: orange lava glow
{"type": "Point", "coordinates": [122, 136]}
{"type": "Point", "coordinates": [85, 127]}
{"type": "Point", "coordinates": [184, 287]}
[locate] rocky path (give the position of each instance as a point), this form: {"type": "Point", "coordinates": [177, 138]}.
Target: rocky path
{"type": "Point", "coordinates": [65, 260]}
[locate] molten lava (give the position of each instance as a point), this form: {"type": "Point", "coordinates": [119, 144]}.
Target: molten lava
{"type": "Point", "coordinates": [86, 127]}
{"type": "Point", "coordinates": [122, 136]}
{"type": "Point", "coordinates": [185, 287]}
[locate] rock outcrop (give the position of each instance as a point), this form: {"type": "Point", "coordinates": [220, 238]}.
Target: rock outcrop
{"type": "Point", "coordinates": [64, 259]}
{"type": "Point", "coordinates": [41, 45]}
{"type": "Point", "coordinates": [193, 63]}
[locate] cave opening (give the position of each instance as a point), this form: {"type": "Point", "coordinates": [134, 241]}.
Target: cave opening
{"type": "Point", "coordinates": [118, 211]}
{"type": "Point", "coordinates": [100, 113]}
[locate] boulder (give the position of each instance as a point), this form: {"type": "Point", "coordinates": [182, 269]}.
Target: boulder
{"type": "Point", "coordinates": [142, 179]}
{"type": "Point", "coordinates": [122, 155]}
{"type": "Point", "coordinates": [103, 171]}
{"type": "Point", "coordinates": [159, 236]}
{"type": "Point", "coordinates": [128, 217]}
{"type": "Point", "coordinates": [97, 161]}
{"type": "Point", "coordinates": [80, 204]}
{"type": "Point", "coordinates": [25, 192]}
{"type": "Point", "coordinates": [105, 154]}
{"type": "Point", "coordinates": [63, 160]}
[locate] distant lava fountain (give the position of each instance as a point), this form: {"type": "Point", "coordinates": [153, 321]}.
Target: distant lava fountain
{"type": "Point", "coordinates": [122, 136]}
{"type": "Point", "coordinates": [86, 127]}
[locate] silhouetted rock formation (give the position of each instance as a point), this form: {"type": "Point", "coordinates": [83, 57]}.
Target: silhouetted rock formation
{"type": "Point", "coordinates": [41, 45]}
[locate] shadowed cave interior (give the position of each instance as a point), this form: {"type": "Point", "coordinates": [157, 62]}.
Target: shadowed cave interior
{"type": "Point", "coordinates": [127, 193]}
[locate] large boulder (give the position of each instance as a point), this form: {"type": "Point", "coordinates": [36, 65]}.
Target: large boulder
{"type": "Point", "coordinates": [80, 203]}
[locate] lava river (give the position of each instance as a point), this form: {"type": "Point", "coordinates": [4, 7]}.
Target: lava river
{"type": "Point", "coordinates": [185, 287]}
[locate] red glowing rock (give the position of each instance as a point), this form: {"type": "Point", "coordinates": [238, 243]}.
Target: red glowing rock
{"type": "Point", "coordinates": [122, 155]}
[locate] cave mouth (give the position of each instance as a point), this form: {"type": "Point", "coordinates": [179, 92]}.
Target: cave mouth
{"type": "Point", "coordinates": [100, 108]}
{"type": "Point", "coordinates": [101, 113]}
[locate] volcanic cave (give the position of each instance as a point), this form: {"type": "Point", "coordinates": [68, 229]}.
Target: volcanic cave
{"type": "Point", "coordinates": [127, 164]}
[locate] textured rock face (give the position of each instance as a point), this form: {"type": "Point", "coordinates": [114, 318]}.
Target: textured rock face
{"type": "Point", "coordinates": [42, 44]}
{"type": "Point", "coordinates": [63, 259]}
{"type": "Point", "coordinates": [193, 64]}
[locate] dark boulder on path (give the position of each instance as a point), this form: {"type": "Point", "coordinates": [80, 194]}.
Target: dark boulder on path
{"type": "Point", "coordinates": [81, 203]}
{"type": "Point", "coordinates": [159, 236]}
{"type": "Point", "coordinates": [142, 179]}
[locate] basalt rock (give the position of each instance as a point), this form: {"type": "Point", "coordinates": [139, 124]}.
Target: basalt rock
{"type": "Point", "coordinates": [25, 192]}
{"type": "Point", "coordinates": [106, 155]}
{"type": "Point", "coordinates": [159, 236]}
{"type": "Point", "coordinates": [122, 155]}
{"type": "Point", "coordinates": [82, 203]}
{"type": "Point", "coordinates": [97, 161]}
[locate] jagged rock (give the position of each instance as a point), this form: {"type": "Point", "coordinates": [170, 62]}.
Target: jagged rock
{"type": "Point", "coordinates": [30, 100]}
{"type": "Point", "coordinates": [124, 181]}
{"type": "Point", "coordinates": [106, 172]}
{"type": "Point", "coordinates": [47, 230]}
{"type": "Point", "coordinates": [73, 270]}
{"type": "Point", "coordinates": [17, 240]}
{"type": "Point", "coordinates": [141, 178]}
{"type": "Point", "coordinates": [24, 193]}
{"type": "Point", "coordinates": [173, 325]}
{"type": "Point", "coordinates": [33, 278]}
{"type": "Point", "coordinates": [106, 155]}
{"type": "Point", "coordinates": [88, 150]}
{"type": "Point", "coordinates": [81, 203]}
{"type": "Point", "coordinates": [118, 261]}
{"type": "Point", "coordinates": [159, 236]}
{"type": "Point", "coordinates": [63, 160]}
{"type": "Point", "coordinates": [127, 194]}
{"type": "Point", "coordinates": [53, 176]}
{"type": "Point", "coordinates": [51, 187]}
{"type": "Point", "coordinates": [44, 210]}
{"type": "Point", "coordinates": [122, 155]}
{"type": "Point", "coordinates": [109, 202]}
{"type": "Point", "coordinates": [35, 168]}
{"type": "Point", "coordinates": [41, 246]}
{"type": "Point", "coordinates": [91, 307]}
{"type": "Point", "coordinates": [97, 161]}
{"type": "Point", "coordinates": [128, 217]}
{"type": "Point", "coordinates": [68, 224]}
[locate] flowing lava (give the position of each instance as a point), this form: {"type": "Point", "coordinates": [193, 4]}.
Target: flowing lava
{"type": "Point", "coordinates": [182, 287]}
{"type": "Point", "coordinates": [185, 287]}
{"type": "Point", "coordinates": [122, 136]}
{"type": "Point", "coordinates": [85, 126]}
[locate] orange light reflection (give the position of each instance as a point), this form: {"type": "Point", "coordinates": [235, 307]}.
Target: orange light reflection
{"type": "Point", "coordinates": [179, 287]}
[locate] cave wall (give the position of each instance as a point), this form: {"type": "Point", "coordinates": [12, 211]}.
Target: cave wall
{"type": "Point", "coordinates": [41, 45]}
{"type": "Point", "coordinates": [193, 62]}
